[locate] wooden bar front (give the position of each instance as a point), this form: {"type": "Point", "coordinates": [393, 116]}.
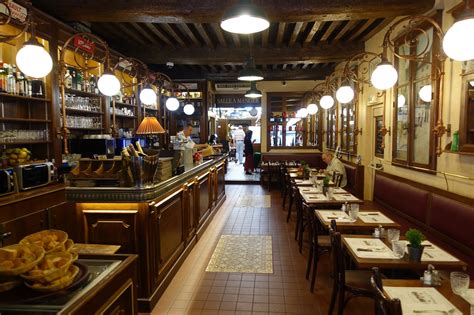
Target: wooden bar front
{"type": "Point", "coordinates": [161, 224]}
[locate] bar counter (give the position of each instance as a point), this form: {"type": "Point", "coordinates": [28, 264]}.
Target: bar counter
{"type": "Point", "coordinates": [161, 223]}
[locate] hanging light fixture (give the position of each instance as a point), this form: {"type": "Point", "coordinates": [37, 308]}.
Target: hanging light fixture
{"type": "Point", "coordinates": [401, 100]}
{"type": "Point", "coordinates": [189, 109]}
{"type": "Point", "coordinates": [253, 112]}
{"type": "Point", "coordinates": [302, 113]}
{"type": "Point", "coordinates": [425, 93]}
{"type": "Point", "coordinates": [250, 72]}
{"type": "Point", "coordinates": [345, 94]}
{"type": "Point", "coordinates": [253, 92]}
{"type": "Point", "coordinates": [326, 102]}
{"type": "Point", "coordinates": [148, 96]}
{"type": "Point", "coordinates": [457, 43]}
{"type": "Point", "coordinates": [244, 18]}
{"type": "Point", "coordinates": [108, 84]}
{"type": "Point", "coordinates": [149, 126]}
{"type": "Point", "coordinates": [384, 76]}
{"type": "Point", "coordinates": [471, 83]}
{"type": "Point", "coordinates": [172, 103]}
{"type": "Point", "coordinates": [312, 108]}
{"type": "Point", "coordinates": [32, 59]}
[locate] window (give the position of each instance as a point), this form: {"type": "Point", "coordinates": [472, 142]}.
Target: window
{"type": "Point", "coordinates": [331, 124]}
{"type": "Point", "coordinates": [416, 101]}
{"type": "Point", "coordinates": [285, 129]}
{"type": "Point", "coordinates": [348, 127]}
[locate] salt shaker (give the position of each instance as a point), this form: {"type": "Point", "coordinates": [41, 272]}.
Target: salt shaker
{"type": "Point", "coordinates": [377, 233]}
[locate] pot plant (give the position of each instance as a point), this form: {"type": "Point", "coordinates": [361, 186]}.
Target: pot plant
{"type": "Point", "coordinates": [415, 249]}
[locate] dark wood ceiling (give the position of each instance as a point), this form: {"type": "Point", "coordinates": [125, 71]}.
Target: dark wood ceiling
{"type": "Point", "coordinates": [305, 40]}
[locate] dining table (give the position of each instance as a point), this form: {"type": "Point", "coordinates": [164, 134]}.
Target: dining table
{"type": "Point", "coordinates": [366, 221]}
{"type": "Point", "coordinates": [417, 298]}
{"type": "Point", "coordinates": [367, 252]}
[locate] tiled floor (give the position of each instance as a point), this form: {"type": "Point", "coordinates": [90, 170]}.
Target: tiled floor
{"type": "Point", "coordinates": [286, 291]}
{"type": "Point", "coordinates": [235, 173]}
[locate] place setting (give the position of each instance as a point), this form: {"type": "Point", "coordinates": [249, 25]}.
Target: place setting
{"type": "Point", "coordinates": [374, 217]}
{"type": "Point", "coordinates": [369, 248]}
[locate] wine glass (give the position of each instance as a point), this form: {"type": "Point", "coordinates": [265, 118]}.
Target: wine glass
{"type": "Point", "coordinates": [393, 235]}
{"type": "Point", "coordinates": [398, 248]}
{"type": "Point", "coordinates": [459, 282]}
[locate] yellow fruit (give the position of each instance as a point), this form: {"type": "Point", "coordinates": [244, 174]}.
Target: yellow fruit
{"type": "Point", "coordinates": [13, 156]}
{"type": "Point", "coordinates": [21, 160]}
{"type": "Point", "coordinates": [22, 155]}
{"type": "Point", "coordinates": [17, 151]}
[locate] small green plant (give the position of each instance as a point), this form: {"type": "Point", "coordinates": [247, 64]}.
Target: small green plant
{"type": "Point", "coordinates": [415, 237]}
{"type": "Point", "coordinates": [326, 181]}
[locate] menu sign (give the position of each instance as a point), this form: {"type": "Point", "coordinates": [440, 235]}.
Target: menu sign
{"type": "Point", "coordinates": [84, 44]}
{"type": "Point", "coordinates": [235, 100]}
{"type": "Point", "coordinates": [17, 11]}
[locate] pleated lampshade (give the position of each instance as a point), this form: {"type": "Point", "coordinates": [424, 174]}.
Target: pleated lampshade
{"type": "Point", "coordinates": [150, 126]}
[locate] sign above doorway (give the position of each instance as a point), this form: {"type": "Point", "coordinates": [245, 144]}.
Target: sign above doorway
{"type": "Point", "coordinates": [236, 100]}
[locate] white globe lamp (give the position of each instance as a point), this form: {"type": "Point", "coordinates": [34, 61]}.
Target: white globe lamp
{"type": "Point", "coordinates": [401, 100]}
{"type": "Point", "coordinates": [457, 43]}
{"type": "Point", "coordinates": [148, 96]}
{"type": "Point", "coordinates": [108, 84]}
{"type": "Point", "coordinates": [188, 109]}
{"type": "Point", "coordinates": [312, 109]}
{"type": "Point", "coordinates": [326, 102]}
{"type": "Point", "coordinates": [384, 76]}
{"type": "Point", "coordinates": [345, 94]}
{"type": "Point", "coordinates": [172, 104]}
{"type": "Point", "coordinates": [425, 93]}
{"type": "Point", "coordinates": [33, 60]}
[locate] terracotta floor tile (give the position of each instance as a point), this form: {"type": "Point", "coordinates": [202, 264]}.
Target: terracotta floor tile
{"type": "Point", "coordinates": [217, 290]}
{"type": "Point", "coordinates": [233, 283]}
{"type": "Point", "coordinates": [245, 298]}
{"type": "Point", "coordinates": [199, 305]}
{"type": "Point", "coordinates": [247, 284]}
{"type": "Point", "coordinates": [234, 290]}
{"type": "Point", "coordinates": [244, 306]}
{"type": "Point", "coordinates": [277, 308]}
{"type": "Point", "coordinates": [215, 296]}
{"type": "Point", "coordinates": [212, 305]}
{"type": "Point", "coordinates": [260, 307]}
{"type": "Point", "coordinates": [260, 299]}
{"type": "Point", "coordinates": [230, 297]}
{"type": "Point", "coordinates": [228, 306]}
{"type": "Point", "coordinates": [261, 291]}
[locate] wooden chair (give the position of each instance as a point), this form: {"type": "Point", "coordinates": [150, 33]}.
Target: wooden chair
{"type": "Point", "coordinates": [337, 179]}
{"type": "Point", "coordinates": [383, 304]}
{"type": "Point", "coordinates": [356, 283]}
{"type": "Point", "coordinates": [320, 244]}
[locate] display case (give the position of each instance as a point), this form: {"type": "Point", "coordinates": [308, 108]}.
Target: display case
{"type": "Point", "coordinates": [106, 284]}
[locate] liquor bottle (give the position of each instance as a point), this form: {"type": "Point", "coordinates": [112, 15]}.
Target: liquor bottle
{"type": "Point", "coordinates": [85, 84]}
{"type": "Point", "coordinates": [79, 81]}
{"type": "Point", "coordinates": [68, 80]}
{"type": "Point", "coordinates": [92, 84]}
{"type": "Point", "coordinates": [11, 84]}
{"type": "Point", "coordinates": [73, 73]}
{"type": "Point", "coordinates": [3, 77]}
{"type": "Point", "coordinates": [20, 83]}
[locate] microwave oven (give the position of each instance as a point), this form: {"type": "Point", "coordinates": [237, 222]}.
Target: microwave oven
{"type": "Point", "coordinates": [34, 175]}
{"type": "Point", "coordinates": [7, 181]}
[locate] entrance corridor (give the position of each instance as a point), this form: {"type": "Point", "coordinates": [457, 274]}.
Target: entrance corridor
{"type": "Point", "coordinates": [285, 291]}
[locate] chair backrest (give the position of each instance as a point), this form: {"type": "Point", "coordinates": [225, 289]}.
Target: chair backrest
{"type": "Point", "coordinates": [337, 179]}
{"type": "Point", "coordinates": [384, 304]}
{"type": "Point", "coordinates": [338, 257]}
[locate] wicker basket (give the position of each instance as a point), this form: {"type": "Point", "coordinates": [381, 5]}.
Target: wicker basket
{"type": "Point", "coordinates": [143, 168]}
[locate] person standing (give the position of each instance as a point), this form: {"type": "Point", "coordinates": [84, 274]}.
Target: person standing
{"type": "Point", "coordinates": [239, 136]}
{"type": "Point", "coordinates": [248, 143]}
{"type": "Point", "coordinates": [334, 165]}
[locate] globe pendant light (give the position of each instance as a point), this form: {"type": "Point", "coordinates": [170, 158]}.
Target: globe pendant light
{"type": "Point", "coordinates": [188, 109]}
{"type": "Point", "coordinates": [108, 84]}
{"type": "Point", "coordinates": [172, 104]}
{"type": "Point", "coordinates": [148, 96]}
{"type": "Point", "coordinates": [312, 108]}
{"type": "Point", "coordinates": [302, 113]}
{"type": "Point", "coordinates": [425, 93]}
{"type": "Point", "coordinates": [244, 18]}
{"type": "Point", "coordinates": [33, 60]}
{"type": "Point", "coordinates": [253, 92]}
{"type": "Point", "coordinates": [253, 112]}
{"type": "Point", "coordinates": [401, 100]}
{"type": "Point", "coordinates": [471, 83]}
{"type": "Point", "coordinates": [384, 76]}
{"type": "Point", "coordinates": [345, 94]}
{"type": "Point", "coordinates": [326, 102]}
{"type": "Point", "coordinates": [457, 43]}
{"type": "Point", "coordinates": [250, 73]}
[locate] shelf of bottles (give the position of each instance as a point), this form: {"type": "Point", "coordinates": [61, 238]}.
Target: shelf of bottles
{"type": "Point", "coordinates": [84, 103]}
{"type": "Point", "coordinates": [25, 105]}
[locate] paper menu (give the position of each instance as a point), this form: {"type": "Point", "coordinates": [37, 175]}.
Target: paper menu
{"type": "Point", "coordinates": [422, 300]}
{"type": "Point", "coordinates": [345, 197]}
{"type": "Point", "coordinates": [374, 217]}
{"type": "Point", "coordinates": [432, 252]}
{"type": "Point", "coordinates": [338, 215]}
{"type": "Point", "coordinates": [369, 248]}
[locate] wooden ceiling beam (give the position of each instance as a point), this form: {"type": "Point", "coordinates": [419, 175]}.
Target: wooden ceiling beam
{"type": "Point", "coordinates": [361, 29]}
{"type": "Point", "coordinates": [329, 31]}
{"type": "Point", "coordinates": [126, 28]}
{"type": "Point", "coordinates": [220, 36]}
{"type": "Point", "coordinates": [234, 55]}
{"type": "Point", "coordinates": [265, 35]}
{"type": "Point", "coordinates": [296, 32]}
{"type": "Point", "coordinates": [280, 33]}
{"type": "Point", "coordinates": [143, 33]}
{"type": "Point", "coordinates": [349, 25]}
{"type": "Point", "coordinates": [167, 28]}
{"type": "Point", "coordinates": [377, 29]}
{"type": "Point", "coordinates": [236, 39]}
{"type": "Point", "coordinates": [204, 34]}
{"type": "Point", "coordinates": [158, 33]}
{"type": "Point", "coordinates": [312, 32]}
{"type": "Point", "coordinates": [211, 11]}
{"type": "Point", "coordinates": [186, 30]}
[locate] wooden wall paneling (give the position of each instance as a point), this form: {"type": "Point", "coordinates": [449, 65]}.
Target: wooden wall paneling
{"type": "Point", "coordinates": [204, 197]}
{"type": "Point", "coordinates": [220, 178]}
{"type": "Point", "coordinates": [61, 217]}
{"type": "Point", "coordinates": [115, 227]}
{"type": "Point", "coordinates": [22, 226]}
